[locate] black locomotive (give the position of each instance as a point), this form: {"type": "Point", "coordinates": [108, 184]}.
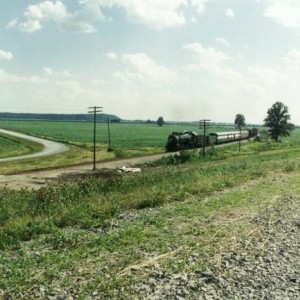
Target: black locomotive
{"type": "Point", "coordinates": [190, 139]}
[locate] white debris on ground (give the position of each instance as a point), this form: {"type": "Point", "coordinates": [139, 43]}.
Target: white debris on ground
{"type": "Point", "coordinates": [129, 170]}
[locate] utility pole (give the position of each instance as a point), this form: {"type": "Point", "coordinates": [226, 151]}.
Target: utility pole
{"type": "Point", "coordinates": [204, 124]}
{"type": "Point", "coordinates": [109, 149]}
{"type": "Point", "coordinates": [240, 128]}
{"type": "Point", "coordinates": [94, 110]}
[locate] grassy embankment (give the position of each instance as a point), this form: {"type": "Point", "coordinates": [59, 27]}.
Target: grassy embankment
{"type": "Point", "coordinates": [100, 235]}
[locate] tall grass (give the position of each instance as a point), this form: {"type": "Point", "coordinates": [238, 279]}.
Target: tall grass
{"type": "Point", "coordinates": [91, 203]}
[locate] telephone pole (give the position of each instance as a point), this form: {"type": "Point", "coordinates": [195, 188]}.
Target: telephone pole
{"type": "Point", "coordinates": [109, 149]}
{"type": "Point", "coordinates": [204, 124]}
{"type": "Point", "coordinates": [94, 110]}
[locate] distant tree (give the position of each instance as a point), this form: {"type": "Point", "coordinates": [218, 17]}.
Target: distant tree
{"type": "Point", "coordinates": [160, 121]}
{"type": "Point", "coordinates": [277, 120]}
{"type": "Point", "coordinates": [239, 121]}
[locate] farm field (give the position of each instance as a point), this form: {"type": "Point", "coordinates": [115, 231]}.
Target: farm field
{"type": "Point", "coordinates": [127, 140]}
{"type": "Point", "coordinates": [128, 235]}
{"type": "Point", "coordinates": [123, 135]}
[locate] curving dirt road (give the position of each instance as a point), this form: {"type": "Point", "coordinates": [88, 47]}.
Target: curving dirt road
{"type": "Point", "coordinates": [38, 179]}
{"type": "Point", "coordinates": [50, 147]}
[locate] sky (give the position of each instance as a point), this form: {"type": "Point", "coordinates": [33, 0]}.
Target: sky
{"type": "Point", "coordinates": [184, 60]}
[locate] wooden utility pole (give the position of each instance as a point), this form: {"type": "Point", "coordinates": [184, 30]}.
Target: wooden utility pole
{"type": "Point", "coordinates": [109, 149]}
{"type": "Point", "coordinates": [204, 124]}
{"type": "Point", "coordinates": [240, 128]}
{"type": "Point", "coordinates": [94, 110]}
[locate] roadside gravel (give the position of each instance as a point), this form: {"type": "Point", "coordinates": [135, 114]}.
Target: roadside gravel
{"type": "Point", "coordinates": [264, 266]}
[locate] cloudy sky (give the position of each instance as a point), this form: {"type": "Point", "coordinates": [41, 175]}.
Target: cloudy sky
{"type": "Point", "coordinates": [141, 59]}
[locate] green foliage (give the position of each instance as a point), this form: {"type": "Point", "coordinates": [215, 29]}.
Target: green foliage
{"type": "Point", "coordinates": [278, 121]}
{"type": "Point", "coordinates": [160, 121]}
{"type": "Point", "coordinates": [264, 135]}
{"type": "Point", "coordinates": [120, 153]}
{"type": "Point", "coordinates": [240, 121]}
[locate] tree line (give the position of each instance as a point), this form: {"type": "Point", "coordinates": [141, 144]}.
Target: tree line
{"type": "Point", "coordinates": [277, 120]}
{"type": "Point", "coordinates": [57, 117]}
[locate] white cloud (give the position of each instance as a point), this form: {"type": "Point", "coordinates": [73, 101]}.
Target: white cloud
{"type": "Point", "coordinates": [66, 73]}
{"type": "Point", "coordinates": [42, 12]}
{"type": "Point", "coordinates": [48, 71]}
{"type": "Point", "coordinates": [158, 14]}
{"type": "Point", "coordinates": [83, 20]}
{"type": "Point", "coordinates": [112, 56]}
{"type": "Point", "coordinates": [51, 73]}
{"type": "Point", "coordinates": [223, 42]}
{"type": "Point", "coordinates": [207, 58]}
{"type": "Point", "coordinates": [5, 55]}
{"type": "Point", "coordinates": [143, 67]}
{"type": "Point", "coordinates": [72, 89]}
{"type": "Point", "coordinates": [13, 23]}
{"type": "Point", "coordinates": [229, 13]}
{"type": "Point", "coordinates": [199, 4]}
{"type": "Point", "coordinates": [7, 77]}
{"type": "Point", "coordinates": [284, 12]}
{"type": "Point", "coordinates": [36, 16]}
{"type": "Point", "coordinates": [292, 66]}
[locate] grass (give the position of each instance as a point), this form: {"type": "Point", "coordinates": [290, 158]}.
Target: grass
{"type": "Point", "coordinates": [75, 155]}
{"type": "Point", "coordinates": [97, 229]}
{"type": "Point", "coordinates": [104, 235]}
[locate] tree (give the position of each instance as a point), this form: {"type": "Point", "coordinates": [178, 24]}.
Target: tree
{"type": "Point", "coordinates": [277, 120]}
{"type": "Point", "coordinates": [160, 121]}
{"type": "Point", "coordinates": [239, 121]}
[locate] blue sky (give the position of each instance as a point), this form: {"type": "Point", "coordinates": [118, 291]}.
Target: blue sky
{"type": "Point", "coordinates": [141, 59]}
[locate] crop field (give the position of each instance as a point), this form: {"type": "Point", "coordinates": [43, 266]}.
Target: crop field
{"type": "Point", "coordinates": [123, 135]}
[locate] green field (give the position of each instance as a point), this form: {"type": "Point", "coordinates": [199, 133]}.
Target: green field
{"type": "Point", "coordinates": [123, 135]}
{"type": "Point", "coordinates": [127, 140]}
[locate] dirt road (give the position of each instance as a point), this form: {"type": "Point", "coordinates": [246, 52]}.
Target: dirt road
{"type": "Point", "coordinates": [38, 179]}
{"type": "Point", "coordinates": [50, 147]}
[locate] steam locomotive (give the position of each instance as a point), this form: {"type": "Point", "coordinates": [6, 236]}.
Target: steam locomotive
{"type": "Point", "coordinates": [190, 139]}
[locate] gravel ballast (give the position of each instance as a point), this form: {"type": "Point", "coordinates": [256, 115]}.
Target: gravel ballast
{"type": "Point", "coordinates": [264, 266]}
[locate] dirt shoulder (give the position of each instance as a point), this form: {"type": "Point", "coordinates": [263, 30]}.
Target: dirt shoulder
{"type": "Point", "coordinates": [38, 179]}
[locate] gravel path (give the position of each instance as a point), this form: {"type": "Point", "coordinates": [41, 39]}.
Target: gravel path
{"type": "Point", "coordinates": [265, 266]}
